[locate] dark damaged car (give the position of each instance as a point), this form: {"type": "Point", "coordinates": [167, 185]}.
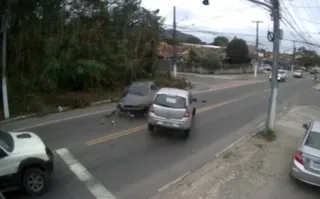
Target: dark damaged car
{"type": "Point", "coordinates": [137, 97]}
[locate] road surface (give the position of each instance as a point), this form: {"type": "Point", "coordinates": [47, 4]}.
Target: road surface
{"type": "Point", "coordinates": [126, 161]}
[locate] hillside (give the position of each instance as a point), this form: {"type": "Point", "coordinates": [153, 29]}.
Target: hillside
{"type": "Point", "coordinates": [181, 37]}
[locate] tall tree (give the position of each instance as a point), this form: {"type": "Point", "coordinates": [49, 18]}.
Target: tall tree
{"type": "Point", "coordinates": [220, 41]}
{"type": "Point", "coordinates": [71, 46]}
{"type": "Point", "coordinates": [238, 51]}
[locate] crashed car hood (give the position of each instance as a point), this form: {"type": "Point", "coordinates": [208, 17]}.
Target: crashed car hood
{"type": "Point", "coordinates": [134, 100]}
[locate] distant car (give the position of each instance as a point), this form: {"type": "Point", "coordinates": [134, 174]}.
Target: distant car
{"type": "Point", "coordinates": [25, 162]}
{"type": "Point", "coordinates": [298, 73]}
{"type": "Point", "coordinates": [137, 98]}
{"type": "Point", "coordinates": [282, 76]}
{"type": "Point", "coordinates": [172, 108]}
{"type": "Point", "coordinates": [306, 162]}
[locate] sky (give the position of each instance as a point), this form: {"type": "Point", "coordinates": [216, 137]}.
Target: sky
{"type": "Point", "coordinates": [300, 20]}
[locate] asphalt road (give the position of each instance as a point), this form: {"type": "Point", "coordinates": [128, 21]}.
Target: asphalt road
{"type": "Point", "coordinates": [130, 163]}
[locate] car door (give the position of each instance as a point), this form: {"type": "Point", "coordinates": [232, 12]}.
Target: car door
{"type": "Point", "coordinates": [8, 168]}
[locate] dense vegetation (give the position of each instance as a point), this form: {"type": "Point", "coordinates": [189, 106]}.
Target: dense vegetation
{"type": "Point", "coordinates": [60, 48]}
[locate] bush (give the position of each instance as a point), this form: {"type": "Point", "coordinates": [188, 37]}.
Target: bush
{"type": "Point", "coordinates": [180, 83]}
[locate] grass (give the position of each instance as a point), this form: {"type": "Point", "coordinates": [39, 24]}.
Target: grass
{"type": "Point", "coordinates": [268, 135]}
{"type": "Point", "coordinates": [227, 155]}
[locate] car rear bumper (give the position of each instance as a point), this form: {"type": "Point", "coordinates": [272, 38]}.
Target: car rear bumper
{"type": "Point", "coordinates": [183, 124]}
{"type": "Point", "coordinates": [300, 173]}
{"type": "Point", "coordinates": [133, 110]}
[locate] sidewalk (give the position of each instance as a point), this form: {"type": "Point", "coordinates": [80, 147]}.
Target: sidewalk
{"type": "Point", "coordinates": [255, 170]}
{"type": "Point", "coordinates": [226, 76]}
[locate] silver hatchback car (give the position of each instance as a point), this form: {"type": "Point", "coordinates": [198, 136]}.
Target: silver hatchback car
{"type": "Point", "coordinates": [172, 108]}
{"type": "Point", "coordinates": [306, 163]}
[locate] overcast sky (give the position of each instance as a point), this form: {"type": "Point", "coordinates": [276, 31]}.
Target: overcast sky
{"type": "Point", "coordinates": [301, 20]}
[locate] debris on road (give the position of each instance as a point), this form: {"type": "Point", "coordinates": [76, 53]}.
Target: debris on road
{"type": "Point", "coordinates": [256, 169]}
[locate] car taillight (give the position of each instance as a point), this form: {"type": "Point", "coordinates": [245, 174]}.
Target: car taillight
{"type": "Point", "coordinates": [151, 109]}
{"type": "Point", "coordinates": [186, 114]}
{"type": "Point", "coordinates": [298, 157]}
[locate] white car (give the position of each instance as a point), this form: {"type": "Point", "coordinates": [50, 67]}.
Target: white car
{"type": "Point", "coordinates": [298, 73]}
{"type": "Point", "coordinates": [25, 162]}
{"type": "Point", "coordinates": [282, 76]}
{"type": "Point", "coordinates": [172, 108]}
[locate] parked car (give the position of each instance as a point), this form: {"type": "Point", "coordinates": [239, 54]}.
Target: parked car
{"type": "Point", "coordinates": [298, 73]}
{"type": "Point", "coordinates": [138, 97]}
{"type": "Point", "coordinates": [306, 162]}
{"type": "Point", "coordinates": [172, 108]}
{"type": "Point", "coordinates": [282, 76]}
{"type": "Point", "coordinates": [25, 162]}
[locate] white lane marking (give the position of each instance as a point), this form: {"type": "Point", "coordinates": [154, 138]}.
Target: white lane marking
{"type": "Point", "coordinates": [64, 119]}
{"type": "Point", "coordinates": [173, 182]}
{"type": "Point", "coordinates": [94, 186]}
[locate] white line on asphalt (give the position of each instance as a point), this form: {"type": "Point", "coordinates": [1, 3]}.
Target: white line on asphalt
{"type": "Point", "coordinates": [94, 186]}
{"type": "Point", "coordinates": [64, 119]}
{"type": "Point", "coordinates": [173, 182]}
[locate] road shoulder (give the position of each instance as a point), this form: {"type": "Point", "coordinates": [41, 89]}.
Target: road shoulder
{"type": "Point", "coordinates": [252, 170]}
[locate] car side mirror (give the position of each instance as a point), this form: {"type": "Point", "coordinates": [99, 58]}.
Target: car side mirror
{"type": "Point", "coordinates": [154, 88]}
{"type": "Point", "coordinates": [194, 100]}
{"type": "Point", "coordinates": [125, 90]}
{"type": "Point", "coordinates": [306, 126]}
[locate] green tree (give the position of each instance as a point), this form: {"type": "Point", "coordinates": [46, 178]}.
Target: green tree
{"type": "Point", "coordinates": [307, 58]}
{"type": "Point", "coordinates": [62, 46]}
{"type": "Point", "coordinates": [193, 40]}
{"type": "Point", "coordinates": [210, 61]}
{"type": "Point", "coordinates": [238, 51]}
{"type": "Point", "coordinates": [220, 41]}
{"type": "Point", "coordinates": [192, 57]}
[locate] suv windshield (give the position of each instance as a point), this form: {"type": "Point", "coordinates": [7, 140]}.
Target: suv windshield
{"type": "Point", "coordinates": [170, 101]}
{"type": "Point", "coordinates": [313, 140]}
{"type": "Point", "coordinates": [6, 141]}
{"type": "Point", "coordinates": [138, 89]}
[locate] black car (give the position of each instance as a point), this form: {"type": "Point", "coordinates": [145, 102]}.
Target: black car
{"type": "Point", "coordinates": [138, 97]}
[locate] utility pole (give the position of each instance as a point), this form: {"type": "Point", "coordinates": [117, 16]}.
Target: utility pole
{"type": "Point", "coordinates": [257, 46]}
{"type": "Point", "coordinates": [174, 42]}
{"type": "Point", "coordinates": [274, 83]}
{"type": "Point", "coordinates": [293, 56]}
{"type": "Point", "coordinates": [275, 38]}
{"type": "Point", "coordinates": [4, 26]}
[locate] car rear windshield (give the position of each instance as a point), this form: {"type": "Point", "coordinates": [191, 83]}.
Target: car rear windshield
{"type": "Point", "coordinates": [170, 101]}
{"type": "Point", "coordinates": [313, 140]}
{"type": "Point", "coordinates": [139, 89]}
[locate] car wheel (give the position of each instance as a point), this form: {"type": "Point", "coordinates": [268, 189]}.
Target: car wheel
{"type": "Point", "coordinates": [150, 128]}
{"type": "Point", "coordinates": [35, 181]}
{"type": "Point", "coordinates": [194, 112]}
{"type": "Point", "coordinates": [186, 134]}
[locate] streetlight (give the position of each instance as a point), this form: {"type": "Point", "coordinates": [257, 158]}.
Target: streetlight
{"type": "Point", "coordinates": [205, 2]}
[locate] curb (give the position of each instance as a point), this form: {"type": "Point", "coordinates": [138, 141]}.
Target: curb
{"type": "Point", "coordinates": [236, 143]}
{"type": "Point", "coordinates": [59, 109]}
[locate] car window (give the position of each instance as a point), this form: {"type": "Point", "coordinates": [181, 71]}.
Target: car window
{"type": "Point", "coordinates": [6, 141]}
{"type": "Point", "coordinates": [153, 87]}
{"type": "Point", "coordinates": [313, 140]}
{"type": "Point", "coordinates": [170, 101]}
{"type": "Point", "coordinates": [141, 89]}
{"type": "Point", "coordinates": [2, 153]}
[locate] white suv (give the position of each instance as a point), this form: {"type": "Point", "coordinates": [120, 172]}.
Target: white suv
{"type": "Point", "coordinates": [25, 162]}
